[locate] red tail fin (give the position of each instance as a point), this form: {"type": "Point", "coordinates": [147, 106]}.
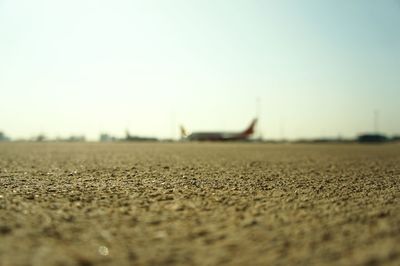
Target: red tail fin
{"type": "Point", "coordinates": [250, 129]}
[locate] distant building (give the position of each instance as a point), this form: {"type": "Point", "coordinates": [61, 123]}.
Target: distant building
{"type": "Point", "coordinates": [107, 138]}
{"type": "Point", "coordinates": [76, 139]}
{"type": "Point", "coordinates": [372, 138]}
{"type": "Point", "coordinates": [396, 138]}
{"type": "Point", "coordinates": [40, 138]}
{"type": "Point", "coordinates": [129, 137]}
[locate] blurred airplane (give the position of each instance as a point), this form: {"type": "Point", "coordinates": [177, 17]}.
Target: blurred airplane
{"type": "Point", "coordinates": [219, 136]}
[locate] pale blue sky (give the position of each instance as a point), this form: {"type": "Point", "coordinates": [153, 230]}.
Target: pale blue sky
{"type": "Point", "coordinates": [320, 68]}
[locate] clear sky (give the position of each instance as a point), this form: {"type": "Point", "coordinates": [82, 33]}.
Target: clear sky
{"type": "Point", "coordinates": [319, 68]}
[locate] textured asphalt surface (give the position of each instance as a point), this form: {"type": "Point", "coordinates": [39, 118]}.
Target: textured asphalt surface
{"type": "Point", "coordinates": [199, 204]}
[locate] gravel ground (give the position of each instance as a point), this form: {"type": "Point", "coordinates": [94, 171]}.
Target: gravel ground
{"type": "Point", "coordinates": [199, 204]}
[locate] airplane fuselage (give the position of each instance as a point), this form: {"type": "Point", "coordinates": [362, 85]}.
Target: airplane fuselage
{"type": "Point", "coordinates": [216, 136]}
{"type": "Point", "coordinates": [220, 136]}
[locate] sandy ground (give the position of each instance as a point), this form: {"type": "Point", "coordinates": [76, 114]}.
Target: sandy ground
{"type": "Point", "coordinates": [199, 204]}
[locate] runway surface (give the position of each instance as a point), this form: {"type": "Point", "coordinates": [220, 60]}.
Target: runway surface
{"type": "Point", "coordinates": [199, 204]}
